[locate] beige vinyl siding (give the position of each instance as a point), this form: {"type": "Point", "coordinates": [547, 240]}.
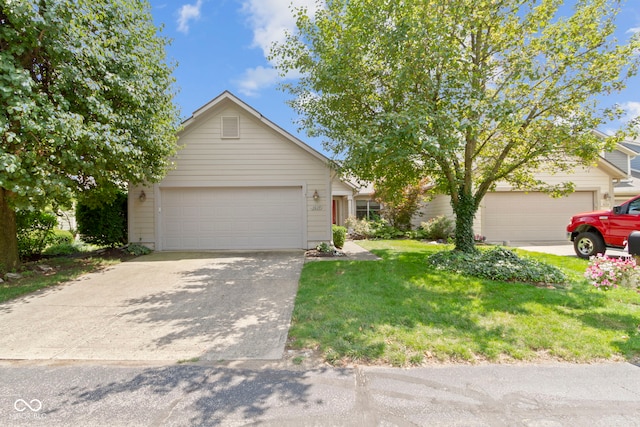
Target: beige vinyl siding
{"type": "Point", "coordinates": [260, 154]}
{"type": "Point", "coordinates": [141, 216]}
{"type": "Point", "coordinates": [340, 188]}
{"type": "Point", "coordinates": [439, 205]}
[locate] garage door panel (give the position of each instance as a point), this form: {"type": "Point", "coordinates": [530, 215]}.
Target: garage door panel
{"type": "Point", "coordinates": [232, 218]}
{"type": "Point", "coordinates": [517, 216]}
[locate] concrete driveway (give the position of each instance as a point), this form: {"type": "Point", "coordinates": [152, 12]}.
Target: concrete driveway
{"type": "Point", "coordinates": [160, 307]}
{"type": "Point", "coordinates": [559, 248]}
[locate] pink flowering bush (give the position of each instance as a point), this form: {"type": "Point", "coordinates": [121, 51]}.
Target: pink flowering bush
{"type": "Point", "coordinates": [608, 273]}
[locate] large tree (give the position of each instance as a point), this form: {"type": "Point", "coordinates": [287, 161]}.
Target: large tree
{"type": "Point", "coordinates": [86, 104]}
{"type": "Point", "coordinates": [464, 92]}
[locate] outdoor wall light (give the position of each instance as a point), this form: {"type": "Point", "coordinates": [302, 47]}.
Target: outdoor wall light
{"type": "Point", "coordinates": [142, 197]}
{"type": "Point", "coordinates": [316, 196]}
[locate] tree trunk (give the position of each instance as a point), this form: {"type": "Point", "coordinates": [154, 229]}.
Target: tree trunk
{"type": "Point", "coordinates": [9, 259]}
{"type": "Point", "coordinates": [465, 211]}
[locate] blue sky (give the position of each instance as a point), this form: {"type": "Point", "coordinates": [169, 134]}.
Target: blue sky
{"type": "Point", "coordinates": [222, 45]}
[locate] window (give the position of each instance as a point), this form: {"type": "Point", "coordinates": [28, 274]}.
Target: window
{"type": "Point", "coordinates": [634, 207]}
{"type": "Point", "coordinates": [369, 209]}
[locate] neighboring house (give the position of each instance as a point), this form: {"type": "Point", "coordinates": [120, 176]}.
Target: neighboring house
{"type": "Point", "coordinates": [629, 187]}
{"type": "Point", "coordinates": [239, 182]}
{"type": "Point", "coordinates": [507, 215]}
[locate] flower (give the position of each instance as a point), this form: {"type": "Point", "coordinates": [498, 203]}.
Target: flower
{"type": "Point", "coordinates": [608, 273]}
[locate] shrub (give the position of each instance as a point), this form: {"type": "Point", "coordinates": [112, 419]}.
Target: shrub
{"type": "Point", "coordinates": [438, 228]}
{"type": "Point", "coordinates": [137, 249]}
{"type": "Point", "coordinates": [497, 264]}
{"type": "Point", "coordinates": [61, 249]}
{"type": "Point", "coordinates": [105, 225]}
{"type": "Point", "coordinates": [358, 228]}
{"type": "Point", "coordinates": [324, 247]}
{"type": "Point", "coordinates": [399, 206]}
{"type": "Point", "coordinates": [339, 235]}
{"type": "Point", "coordinates": [59, 237]}
{"type": "Point", "coordinates": [34, 228]}
{"type": "Point", "coordinates": [381, 229]}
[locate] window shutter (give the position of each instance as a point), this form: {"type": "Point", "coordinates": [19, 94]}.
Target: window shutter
{"type": "Point", "coordinates": [230, 127]}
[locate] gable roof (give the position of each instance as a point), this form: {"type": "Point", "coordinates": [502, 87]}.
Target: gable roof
{"type": "Point", "coordinates": [228, 96]}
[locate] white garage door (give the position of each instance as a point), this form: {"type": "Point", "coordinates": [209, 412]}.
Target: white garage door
{"type": "Point", "coordinates": [530, 217]}
{"type": "Point", "coordinates": [231, 218]}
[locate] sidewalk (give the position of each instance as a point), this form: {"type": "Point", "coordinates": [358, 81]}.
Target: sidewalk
{"type": "Point", "coordinates": [559, 248]}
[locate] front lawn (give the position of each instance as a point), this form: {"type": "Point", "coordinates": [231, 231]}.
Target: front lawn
{"type": "Point", "coordinates": [402, 312]}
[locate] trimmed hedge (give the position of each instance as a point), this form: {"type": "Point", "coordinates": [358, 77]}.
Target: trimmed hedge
{"type": "Point", "coordinates": [339, 236]}
{"type": "Point", "coordinates": [105, 225]}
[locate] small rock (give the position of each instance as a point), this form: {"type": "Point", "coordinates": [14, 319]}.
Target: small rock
{"type": "Point", "coordinates": [45, 268]}
{"type": "Point", "coordinates": [1, 280]}
{"type": "Point", "coordinates": [13, 276]}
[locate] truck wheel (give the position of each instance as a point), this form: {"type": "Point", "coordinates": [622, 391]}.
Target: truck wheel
{"type": "Point", "coordinates": [588, 244]}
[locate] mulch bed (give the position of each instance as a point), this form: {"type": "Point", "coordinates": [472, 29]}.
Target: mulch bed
{"type": "Point", "coordinates": [314, 253]}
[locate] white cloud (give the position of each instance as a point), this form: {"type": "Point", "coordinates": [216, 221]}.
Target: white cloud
{"type": "Point", "coordinates": [255, 79]}
{"type": "Point", "coordinates": [269, 20]}
{"type": "Point", "coordinates": [632, 109]}
{"type": "Point", "coordinates": [633, 30]}
{"type": "Point", "coordinates": [258, 78]}
{"type": "Point", "coordinates": [188, 13]}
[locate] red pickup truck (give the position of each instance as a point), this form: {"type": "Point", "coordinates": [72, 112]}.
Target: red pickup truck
{"type": "Point", "coordinates": [593, 232]}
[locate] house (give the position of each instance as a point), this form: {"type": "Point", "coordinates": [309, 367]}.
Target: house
{"type": "Point", "coordinates": [239, 182]}
{"type": "Point", "coordinates": [629, 161]}
{"type": "Point", "coordinates": [508, 215]}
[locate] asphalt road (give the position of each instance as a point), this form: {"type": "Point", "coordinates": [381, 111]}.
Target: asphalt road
{"type": "Point", "coordinates": [267, 393]}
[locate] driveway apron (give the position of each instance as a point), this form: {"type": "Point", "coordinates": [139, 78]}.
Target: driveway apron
{"type": "Point", "coordinates": [160, 307]}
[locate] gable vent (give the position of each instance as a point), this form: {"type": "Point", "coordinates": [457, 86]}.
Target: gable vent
{"type": "Point", "coordinates": [230, 127]}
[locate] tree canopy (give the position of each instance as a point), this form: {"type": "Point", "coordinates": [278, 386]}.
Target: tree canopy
{"type": "Point", "coordinates": [463, 92]}
{"type": "Point", "coordinates": [87, 103]}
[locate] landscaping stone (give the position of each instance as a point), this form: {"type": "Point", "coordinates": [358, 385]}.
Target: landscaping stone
{"type": "Point", "coordinates": [13, 276]}
{"type": "Point", "coordinates": [45, 268]}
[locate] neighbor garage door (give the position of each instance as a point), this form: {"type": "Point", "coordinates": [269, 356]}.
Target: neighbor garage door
{"type": "Point", "coordinates": [231, 218]}
{"type": "Point", "coordinates": [529, 217]}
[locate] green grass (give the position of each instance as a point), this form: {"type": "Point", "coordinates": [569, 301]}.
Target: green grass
{"type": "Point", "coordinates": [400, 311]}
{"type": "Point", "coordinates": [64, 269]}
